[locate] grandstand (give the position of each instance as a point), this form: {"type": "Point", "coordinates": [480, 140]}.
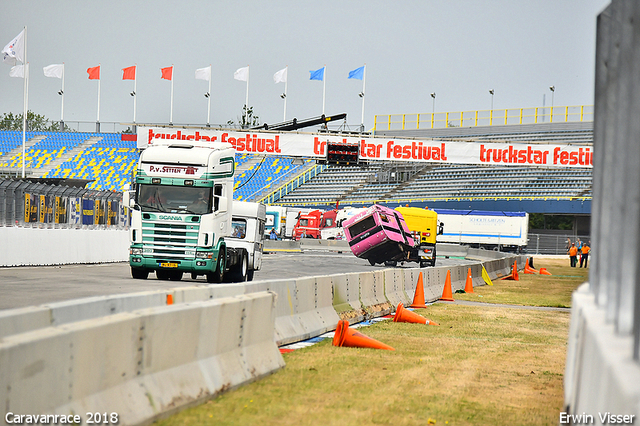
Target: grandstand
{"type": "Point", "coordinates": [108, 162]}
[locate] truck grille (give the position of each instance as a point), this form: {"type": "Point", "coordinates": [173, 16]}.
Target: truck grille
{"type": "Point", "coordinates": [167, 240]}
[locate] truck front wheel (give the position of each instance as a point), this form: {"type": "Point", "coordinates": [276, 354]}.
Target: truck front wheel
{"type": "Point", "coordinates": [139, 274]}
{"type": "Point", "coordinates": [217, 276]}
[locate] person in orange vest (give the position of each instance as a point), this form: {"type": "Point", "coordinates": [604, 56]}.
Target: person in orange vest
{"type": "Point", "coordinates": [573, 255]}
{"type": "Point", "coordinates": [585, 250]}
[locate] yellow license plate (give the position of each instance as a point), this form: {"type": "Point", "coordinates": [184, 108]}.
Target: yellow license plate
{"type": "Point", "coordinates": [169, 265]}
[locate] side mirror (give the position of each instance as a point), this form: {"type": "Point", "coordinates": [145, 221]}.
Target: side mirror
{"type": "Point", "coordinates": [128, 198]}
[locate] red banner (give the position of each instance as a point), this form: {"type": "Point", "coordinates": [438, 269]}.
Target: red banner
{"type": "Point", "coordinates": [311, 145]}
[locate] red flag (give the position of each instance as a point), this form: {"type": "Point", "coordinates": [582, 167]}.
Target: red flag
{"type": "Point", "coordinates": [129, 73]}
{"type": "Point", "coordinates": [94, 73]}
{"type": "Point", "coordinates": [167, 73]}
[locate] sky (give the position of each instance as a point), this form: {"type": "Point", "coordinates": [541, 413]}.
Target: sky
{"type": "Point", "coordinates": [458, 49]}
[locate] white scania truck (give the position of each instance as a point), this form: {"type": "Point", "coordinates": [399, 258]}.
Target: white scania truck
{"type": "Point", "coordinates": [184, 218]}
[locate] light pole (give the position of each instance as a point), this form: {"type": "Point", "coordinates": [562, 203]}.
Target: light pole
{"type": "Point", "coordinates": [553, 91]}
{"type": "Point", "coordinates": [491, 91]}
{"type": "Point", "coordinates": [433, 108]}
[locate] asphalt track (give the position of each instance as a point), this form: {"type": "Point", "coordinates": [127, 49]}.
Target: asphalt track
{"type": "Point", "coordinates": [31, 286]}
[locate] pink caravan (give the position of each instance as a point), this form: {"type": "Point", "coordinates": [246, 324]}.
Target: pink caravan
{"type": "Point", "coordinates": [379, 234]}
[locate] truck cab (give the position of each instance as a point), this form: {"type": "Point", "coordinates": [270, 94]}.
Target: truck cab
{"type": "Point", "coordinates": [423, 224]}
{"type": "Point", "coordinates": [182, 214]}
{"type": "Point", "coordinates": [308, 225]}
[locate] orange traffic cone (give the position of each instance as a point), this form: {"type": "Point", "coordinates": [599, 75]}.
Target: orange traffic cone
{"type": "Point", "coordinates": [528, 269]}
{"type": "Point", "coordinates": [405, 315]}
{"type": "Point", "coordinates": [418, 298]}
{"type": "Point", "coordinates": [543, 271]}
{"type": "Point", "coordinates": [349, 337]}
{"type": "Point", "coordinates": [514, 273]}
{"type": "Point", "coordinates": [468, 286]}
{"type": "Point", "coordinates": [446, 292]}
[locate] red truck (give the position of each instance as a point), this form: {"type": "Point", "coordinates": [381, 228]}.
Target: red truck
{"type": "Point", "coordinates": [310, 225]}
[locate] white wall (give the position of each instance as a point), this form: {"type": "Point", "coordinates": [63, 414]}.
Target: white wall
{"type": "Point", "coordinates": [33, 246]}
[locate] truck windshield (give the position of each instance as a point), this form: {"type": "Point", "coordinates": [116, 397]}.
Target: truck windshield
{"type": "Point", "coordinates": [174, 199]}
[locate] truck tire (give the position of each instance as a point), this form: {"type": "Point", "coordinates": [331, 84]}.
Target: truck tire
{"type": "Point", "coordinates": [139, 274]}
{"type": "Point", "coordinates": [425, 263]}
{"type": "Point", "coordinates": [372, 263]}
{"type": "Point", "coordinates": [250, 273]}
{"type": "Point", "coordinates": [238, 273]}
{"type": "Point", "coordinates": [217, 276]}
{"type": "Point", "coordinates": [390, 263]}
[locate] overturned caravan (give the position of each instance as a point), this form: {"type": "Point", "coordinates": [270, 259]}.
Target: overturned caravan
{"type": "Point", "coordinates": [380, 235]}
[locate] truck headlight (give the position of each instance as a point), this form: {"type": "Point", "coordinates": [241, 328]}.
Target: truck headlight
{"type": "Point", "coordinates": [135, 251]}
{"type": "Point", "coordinates": [204, 255]}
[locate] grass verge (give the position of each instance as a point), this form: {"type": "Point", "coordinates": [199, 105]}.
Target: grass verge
{"type": "Point", "coordinates": [534, 289]}
{"type": "Point", "coordinates": [485, 365]}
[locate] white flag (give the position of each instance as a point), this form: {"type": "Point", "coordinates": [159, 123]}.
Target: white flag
{"type": "Point", "coordinates": [280, 76]}
{"type": "Point", "coordinates": [14, 50]}
{"type": "Point", "coordinates": [203, 73]}
{"type": "Point", "coordinates": [54, 70]}
{"type": "Point", "coordinates": [17, 71]}
{"type": "Point", "coordinates": [241, 74]}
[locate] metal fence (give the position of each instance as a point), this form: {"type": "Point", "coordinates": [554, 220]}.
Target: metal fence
{"type": "Point", "coordinates": [37, 205]}
{"type": "Point", "coordinates": [553, 244]}
{"type": "Point", "coordinates": [495, 117]}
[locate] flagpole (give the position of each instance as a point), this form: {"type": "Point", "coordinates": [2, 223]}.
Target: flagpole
{"type": "Point", "coordinates": [135, 95]}
{"type": "Point", "coordinates": [25, 103]}
{"type": "Point", "coordinates": [171, 114]}
{"type": "Point", "coordinates": [364, 78]}
{"type": "Point", "coordinates": [62, 103]}
{"type": "Point", "coordinates": [286, 81]}
{"type": "Point", "coordinates": [209, 98]}
{"type": "Point", "coordinates": [98, 114]}
{"type": "Point", "coordinates": [246, 109]}
{"type": "Point", "coordinates": [324, 86]}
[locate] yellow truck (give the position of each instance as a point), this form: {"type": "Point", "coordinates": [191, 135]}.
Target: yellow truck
{"type": "Point", "coordinates": [424, 225]}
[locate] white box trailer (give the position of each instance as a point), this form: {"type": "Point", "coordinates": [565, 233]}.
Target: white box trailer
{"type": "Point", "coordinates": [491, 230]}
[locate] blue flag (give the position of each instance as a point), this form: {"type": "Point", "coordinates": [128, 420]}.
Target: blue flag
{"type": "Point", "coordinates": [357, 73]}
{"type": "Point", "coordinates": [317, 74]}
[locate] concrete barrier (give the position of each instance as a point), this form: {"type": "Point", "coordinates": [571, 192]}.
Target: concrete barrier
{"type": "Point", "coordinates": [346, 297]}
{"type": "Point", "coordinates": [33, 246]}
{"type": "Point", "coordinates": [288, 324]}
{"type": "Point", "coordinates": [394, 286]}
{"type": "Point", "coordinates": [451, 250]}
{"type": "Point", "coordinates": [315, 304]}
{"type": "Point", "coordinates": [600, 375]}
{"type": "Point", "coordinates": [143, 364]}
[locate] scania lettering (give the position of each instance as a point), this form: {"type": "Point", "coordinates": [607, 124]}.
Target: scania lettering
{"type": "Point", "coordinates": [184, 217]}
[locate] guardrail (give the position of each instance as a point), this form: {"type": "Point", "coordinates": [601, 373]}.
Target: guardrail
{"type": "Point", "coordinates": [494, 117]}
{"type": "Point", "coordinates": [136, 356]}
